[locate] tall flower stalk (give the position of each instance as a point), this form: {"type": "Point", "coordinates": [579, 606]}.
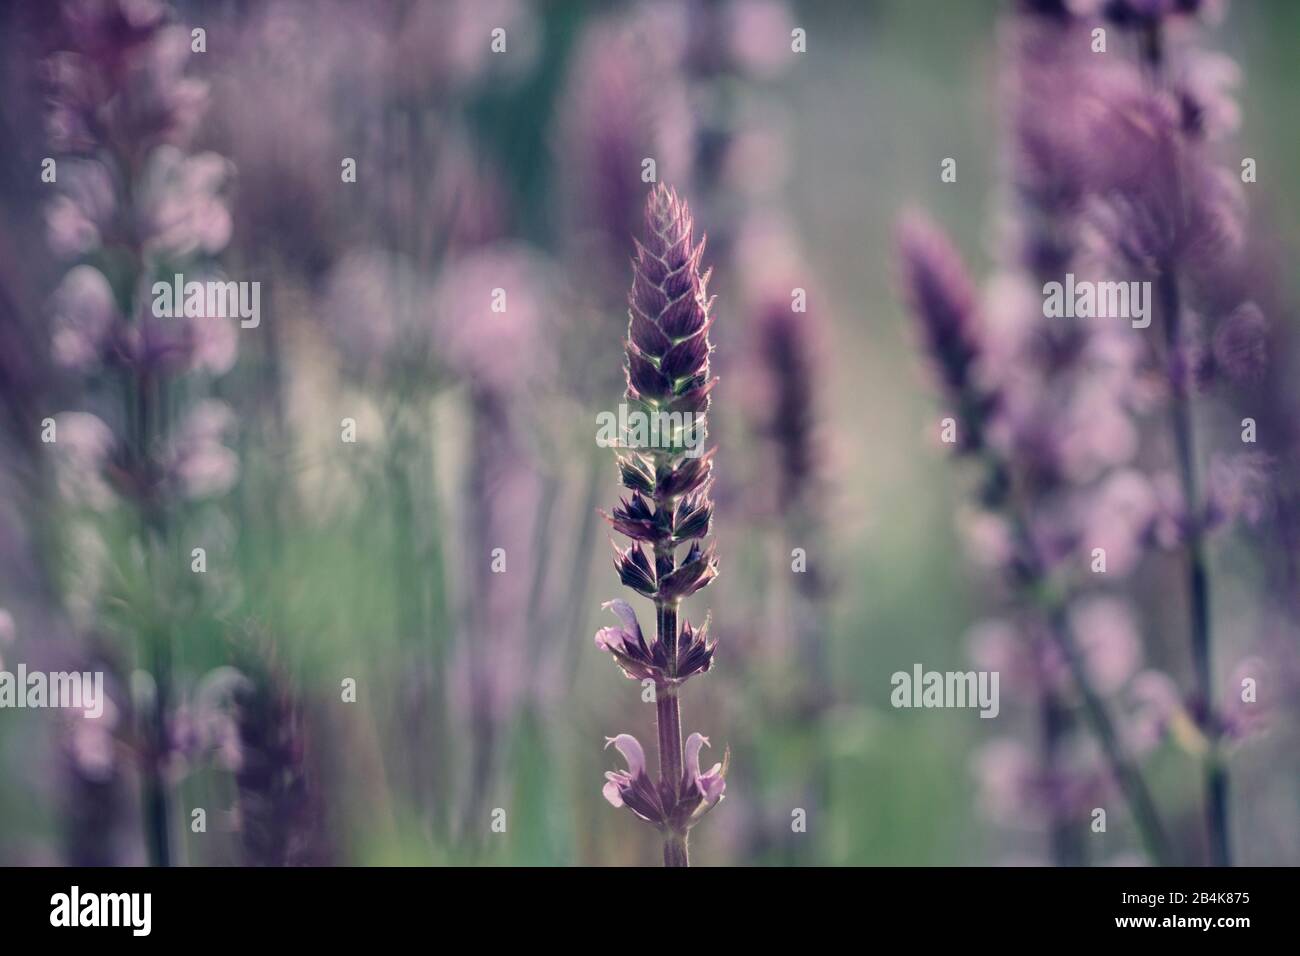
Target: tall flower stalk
{"type": "Point", "coordinates": [1177, 219]}
{"type": "Point", "coordinates": [789, 357]}
{"type": "Point", "coordinates": [135, 205]}
{"type": "Point", "coordinates": [668, 381]}
{"type": "Point", "coordinates": [1111, 172]}
{"type": "Point", "coordinates": [942, 298]}
{"type": "Point", "coordinates": [1198, 578]}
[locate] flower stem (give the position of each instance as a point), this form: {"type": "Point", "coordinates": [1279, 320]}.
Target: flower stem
{"type": "Point", "coordinates": [675, 851]}
{"type": "Point", "coordinates": [668, 716]}
{"type": "Point", "coordinates": [1198, 579]}
{"type": "Point", "coordinates": [156, 798]}
{"type": "Point", "coordinates": [144, 406]}
{"type": "Point", "coordinates": [1126, 775]}
{"type": "Point", "coordinates": [1066, 834]}
{"type": "Point", "coordinates": [667, 707]}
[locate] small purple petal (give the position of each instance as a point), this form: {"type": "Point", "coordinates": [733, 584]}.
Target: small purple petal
{"type": "Point", "coordinates": [631, 750]}
{"type": "Point", "coordinates": [711, 785]}
{"type": "Point", "coordinates": [693, 745]}
{"type": "Point", "coordinates": [628, 616]}
{"type": "Point", "coordinates": [610, 639]}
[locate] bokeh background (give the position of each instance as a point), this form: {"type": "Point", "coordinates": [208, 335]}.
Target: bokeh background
{"type": "Point", "coordinates": [373, 560]}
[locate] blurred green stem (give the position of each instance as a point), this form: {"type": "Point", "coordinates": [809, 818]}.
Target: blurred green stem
{"type": "Point", "coordinates": [1055, 723]}
{"type": "Point", "coordinates": [1122, 769]}
{"type": "Point", "coordinates": [415, 566]}
{"type": "Point", "coordinates": [1198, 579]}
{"type": "Point", "coordinates": [1053, 605]}
{"type": "Point", "coordinates": [144, 415]}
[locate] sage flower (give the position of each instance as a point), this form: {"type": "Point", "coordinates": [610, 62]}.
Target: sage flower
{"type": "Point", "coordinates": [667, 372]}
{"type": "Point", "coordinates": [134, 198]}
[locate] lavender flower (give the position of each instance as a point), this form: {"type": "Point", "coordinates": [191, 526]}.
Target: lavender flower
{"type": "Point", "coordinates": [667, 370]}
{"type": "Point", "coordinates": [1240, 347]}
{"type": "Point", "coordinates": [1179, 218]}
{"type": "Point", "coordinates": [1045, 407]}
{"type": "Point", "coordinates": [942, 297]}
{"type": "Point", "coordinates": [279, 812]}
{"type": "Point", "coordinates": [790, 366]}
{"type": "Point", "coordinates": [788, 375]}
{"type": "Point", "coordinates": [120, 80]}
{"type": "Point", "coordinates": [1111, 168]}
{"type": "Point", "coordinates": [499, 356]}
{"type": "Point", "coordinates": [122, 111]}
{"type": "Point", "coordinates": [624, 102]}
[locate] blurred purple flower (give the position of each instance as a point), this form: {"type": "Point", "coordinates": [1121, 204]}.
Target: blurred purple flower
{"type": "Point", "coordinates": [787, 343]}
{"type": "Point", "coordinates": [758, 36]}
{"type": "Point", "coordinates": [497, 339]}
{"type": "Point", "coordinates": [1162, 205]}
{"type": "Point", "coordinates": [1241, 345]}
{"type": "Point", "coordinates": [180, 209]}
{"type": "Point", "coordinates": [279, 811]}
{"type": "Point", "coordinates": [623, 103]}
{"type": "Point", "coordinates": [461, 33]}
{"type": "Point", "coordinates": [1000, 645]}
{"type": "Point", "coordinates": [82, 446]}
{"type": "Point", "coordinates": [1107, 636]}
{"type": "Point", "coordinates": [120, 79]}
{"type": "Point", "coordinates": [82, 215]}
{"type": "Point", "coordinates": [118, 92]}
{"type": "Point", "coordinates": [89, 332]}
{"type": "Point", "coordinates": [84, 314]}
{"type": "Point", "coordinates": [379, 309]}
{"type": "Point", "coordinates": [1015, 790]}
{"type": "Point", "coordinates": [1004, 771]}
{"type": "Point", "coordinates": [197, 459]}
{"type": "Point", "coordinates": [943, 303]}
{"type": "Point", "coordinates": [1204, 85]}
{"type": "Point", "coordinates": [1241, 487]}
{"type": "Point", "coordinates": [1120, 518]}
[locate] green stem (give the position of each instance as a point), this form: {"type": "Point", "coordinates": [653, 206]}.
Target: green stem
{"type": "Point", "coordinates": [143, 399]}
{"type": "Point", "coordinates": [1125, 773]}
{"type": "Point", "coordinates": [668, 715]}
{"type": "Point", "coordinates": [1198, 581]}
{"type": "Point", "coordinates": [1055, 724]}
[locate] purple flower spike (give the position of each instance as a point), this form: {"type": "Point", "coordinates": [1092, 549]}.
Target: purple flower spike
{"type": "Point", "coordinates": [134, 196]}
{"type": "Point", "coordinates": [942, 299]}
{"type": "Point", "coordinates": [668, 325]}
{"type": "Point", "coordinates": [668, 380]}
